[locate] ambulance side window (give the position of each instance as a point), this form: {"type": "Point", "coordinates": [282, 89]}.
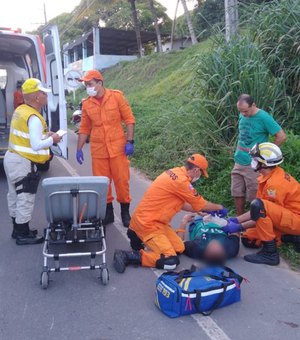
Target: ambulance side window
{"type": "Point", "coordinates": [3, 79]}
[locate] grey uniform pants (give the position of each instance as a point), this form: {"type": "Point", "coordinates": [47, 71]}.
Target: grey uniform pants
{"type": "Point", "coordinates": [19, 206]}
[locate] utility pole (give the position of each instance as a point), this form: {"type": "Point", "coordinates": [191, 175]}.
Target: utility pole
{"type": "Point", "coordinates": [231, 18]}
{"type": "Point", "coordinates": [45, 15]}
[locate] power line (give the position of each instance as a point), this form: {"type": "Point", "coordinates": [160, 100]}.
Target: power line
{"type": "Point", "coordinates": [76, 19]}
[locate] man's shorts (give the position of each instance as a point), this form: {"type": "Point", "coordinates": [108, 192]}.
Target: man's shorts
{"type": "Point", "coordinates": [243, 182]}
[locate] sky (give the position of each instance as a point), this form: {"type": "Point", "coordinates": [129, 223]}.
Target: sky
{"type": "Point", "coordinates": [29, 14]}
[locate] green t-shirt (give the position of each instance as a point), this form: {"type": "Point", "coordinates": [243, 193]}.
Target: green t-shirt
{"type": "Point", "coordinates": [203, 233]}
{"type": "Point", "coordinates": [252, 130]}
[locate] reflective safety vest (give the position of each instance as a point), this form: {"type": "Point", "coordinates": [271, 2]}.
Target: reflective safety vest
{"type": "Point", "coordinates": [19, 140]}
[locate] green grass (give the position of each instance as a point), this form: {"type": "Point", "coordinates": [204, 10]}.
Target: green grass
{"type": "Point", "coordinates": [176, 116]}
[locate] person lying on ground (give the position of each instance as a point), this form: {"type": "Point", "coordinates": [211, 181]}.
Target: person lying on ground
{"type": "Point", "coordinates": [170, 193]}
{"type": "Point", "coordinates": [207, 241]}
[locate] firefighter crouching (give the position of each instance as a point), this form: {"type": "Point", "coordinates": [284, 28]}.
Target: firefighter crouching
{"type": "Point", "coordinates": [275, 213]}
{"type": "Point", "coordinates": [170, 193]}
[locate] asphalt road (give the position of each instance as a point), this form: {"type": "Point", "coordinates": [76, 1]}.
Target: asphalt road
{"type": "Point", "coordinates": [77, 306]}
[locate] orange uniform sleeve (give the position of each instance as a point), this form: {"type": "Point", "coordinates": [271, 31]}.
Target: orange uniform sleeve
{"type": "Point", "coordinates": [190, 195]}
{"type": "Point", "coordinates": [85, 124]}
{"type": "Point", "coordinates": [125, 109]}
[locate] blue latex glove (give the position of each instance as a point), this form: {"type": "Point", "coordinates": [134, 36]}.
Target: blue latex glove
{"type": "Point", "coordinates": [129, 149]}
{"type": "Point", "coordinates": [79, 156]}
{"type": "Point", "coordinates": [232, 227]}
{"type": "Point", "coordinates": [233, 219]}
{"type": "Point", "coordinates": [222, 212]}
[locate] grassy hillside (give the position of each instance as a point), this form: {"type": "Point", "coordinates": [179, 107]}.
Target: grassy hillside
{"type": "Point", "coordinates": [161, 91]}
{"type": "Point", "coordinates": [173, 122]}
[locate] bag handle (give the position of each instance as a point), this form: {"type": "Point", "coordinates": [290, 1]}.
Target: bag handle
{"type": "Point", "coordinates": [232, 274]}
{"type": "Point", "coordinates": [215, 305]}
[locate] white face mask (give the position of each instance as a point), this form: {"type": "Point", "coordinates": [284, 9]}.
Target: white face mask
{"type": "Point", "coordinates": [91, 91]}
{"type": "Point", "coordinates": [254, 164]}
{"type": "Point", "coordinates": [195, 179]}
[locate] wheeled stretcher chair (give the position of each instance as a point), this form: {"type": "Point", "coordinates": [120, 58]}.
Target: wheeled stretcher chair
{"type": "Point", "coordinates": [75, 207]}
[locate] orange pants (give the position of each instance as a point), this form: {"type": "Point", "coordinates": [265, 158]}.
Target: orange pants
{"type": "Point", "coordinates": [117, 170]}
{"type": "Point", "coordinates": [166, 242]}
{"type": "Point", "coordinates": [278, 221]}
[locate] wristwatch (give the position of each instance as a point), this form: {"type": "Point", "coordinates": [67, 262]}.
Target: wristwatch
{"type": "Point", "coordinates": [131, 141]}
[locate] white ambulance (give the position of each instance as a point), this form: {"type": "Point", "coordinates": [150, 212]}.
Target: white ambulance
{"type": "Point", "coordinates": [24, 56]}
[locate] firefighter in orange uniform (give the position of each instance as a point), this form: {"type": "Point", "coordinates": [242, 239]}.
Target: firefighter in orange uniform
{"type": "Point", "coordinates": [103, 113]}
{"type": "Point", "coordinates": [171, 192]}
{"type": "Point", "coordinates": [276, 210]}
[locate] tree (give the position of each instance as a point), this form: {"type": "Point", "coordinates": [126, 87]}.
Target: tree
{"type": "Point", "coordinates": [231, 18]}
{"type": "Point", "coordinates": [153, 11]}
{"type": "Point", "coordinates": [136, 27]}
{"type": "Point", "coordinates": [174, 25]}
{"type": "Point", "coordinates": [189, 22]}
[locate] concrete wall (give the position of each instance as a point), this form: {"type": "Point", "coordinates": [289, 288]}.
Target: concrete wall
{"type": "Point", "coordinates": [99, 61]}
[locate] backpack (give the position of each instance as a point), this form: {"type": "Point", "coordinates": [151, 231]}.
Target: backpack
{"type": "Point", "coordinates": [197, 290]}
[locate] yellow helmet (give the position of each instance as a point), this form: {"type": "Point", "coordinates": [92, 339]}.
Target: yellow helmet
{"type": "Point", "coordinates": [267, 154]}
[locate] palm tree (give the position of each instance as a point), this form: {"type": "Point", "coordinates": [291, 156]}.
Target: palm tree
{"type": "Point", "coordinates": [231, 18]}
{"type": "Point", "coordinates": [154, 16]}
{"type": "Point", "coordinates": [137, 28]}
{"type": "Point", "coordinates": [189, 22]}
{"type": "Point", "coordinates": [174, 25]}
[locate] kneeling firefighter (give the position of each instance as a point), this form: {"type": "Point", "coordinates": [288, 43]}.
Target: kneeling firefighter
{"type": "Point", "coordinates": [170, 193]}
{"type": "Point", "coordinates": [29, 144]}
{"type": "Point", "coordinates": [275, 212]}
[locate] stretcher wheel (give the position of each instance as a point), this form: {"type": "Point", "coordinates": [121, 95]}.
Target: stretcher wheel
{"type": "Point", "coordinates": [104, 275]}
{"type": "Point", "coordinates": [44, 280]}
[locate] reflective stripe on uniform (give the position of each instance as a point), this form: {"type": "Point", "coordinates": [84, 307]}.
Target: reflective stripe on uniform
{"type": "Point", "coordinates": [28, 150]}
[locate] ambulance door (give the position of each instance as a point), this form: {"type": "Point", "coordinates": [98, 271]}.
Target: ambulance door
{"type": "Point", "coordinates": [57, 110]}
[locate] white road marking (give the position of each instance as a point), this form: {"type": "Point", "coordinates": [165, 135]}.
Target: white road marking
{"type": "Point", "coordinates": [52, 323]}
{"type": "Point", "coordinates": [25, 309]}
{"type": "Point", "coordinates": [206, 323]}
{"type": "Point", "coordinates": [68, 167]}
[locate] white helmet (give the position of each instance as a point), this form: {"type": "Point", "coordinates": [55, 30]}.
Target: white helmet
{"type": "Point", "coordinates": [267, 154]}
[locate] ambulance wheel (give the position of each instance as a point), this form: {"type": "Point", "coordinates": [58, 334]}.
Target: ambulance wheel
{"type": "Point", "coordinates": [104, 275]}
{"type": "Point", "coordinates": [44, 280]}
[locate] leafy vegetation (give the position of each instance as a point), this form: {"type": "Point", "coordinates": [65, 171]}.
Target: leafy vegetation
{"type": "Point", "coordinates": [185, 101]}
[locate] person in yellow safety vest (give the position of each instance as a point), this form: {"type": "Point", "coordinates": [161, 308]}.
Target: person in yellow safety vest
{"type": "Point", "coordinates": [29, 144]}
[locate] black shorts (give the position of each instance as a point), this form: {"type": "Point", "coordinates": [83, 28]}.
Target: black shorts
{"type": "Point", "coordinates": [194, 250]}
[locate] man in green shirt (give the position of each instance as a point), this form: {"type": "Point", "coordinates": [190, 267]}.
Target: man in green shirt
{"type": "Point", "coordinates": [255, 126]}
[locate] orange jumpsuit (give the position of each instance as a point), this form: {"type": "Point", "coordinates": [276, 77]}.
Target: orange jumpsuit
{"type": "Point", "coordinates": [280, 194]}
{"type": "Point", "coordinates": [103, 122]}
{"type": "Point", "coordinates": [150, 221]}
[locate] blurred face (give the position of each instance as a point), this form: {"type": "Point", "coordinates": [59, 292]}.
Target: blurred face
{"type": "Point", "coordinates": [245, 109]}
{"type": "Point", "coordinates": [215, 252]}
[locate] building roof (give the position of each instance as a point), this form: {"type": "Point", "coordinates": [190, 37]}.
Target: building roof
{"type": "Point", "coordinates": [115, 41]}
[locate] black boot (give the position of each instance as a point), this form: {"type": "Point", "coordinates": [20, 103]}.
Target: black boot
{"type": "Point", "coordinates": [294, 239]}
{"type": "Point", "coordinates": [123, 258]}
{"type": "Point", "coordinates": [125, 214]}
{"type": "Point", "coordinates": [290, 238]}
{"type": "Point", "coordinates": [268, 255]}
{"type": "Point", "coordinates": [135, 242]}
{"type": "Point", "coordinates": [252, 244]}
{"type": "Point", "coordinates": [109, 216]}
{"type": "Point", "coordinates": [14, 232]}
{"type": "Point", "coordinates": [25, 236]}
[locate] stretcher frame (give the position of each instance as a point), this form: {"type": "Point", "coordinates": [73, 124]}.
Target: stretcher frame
{"type": "Point", "coordinates": [66, 232]}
